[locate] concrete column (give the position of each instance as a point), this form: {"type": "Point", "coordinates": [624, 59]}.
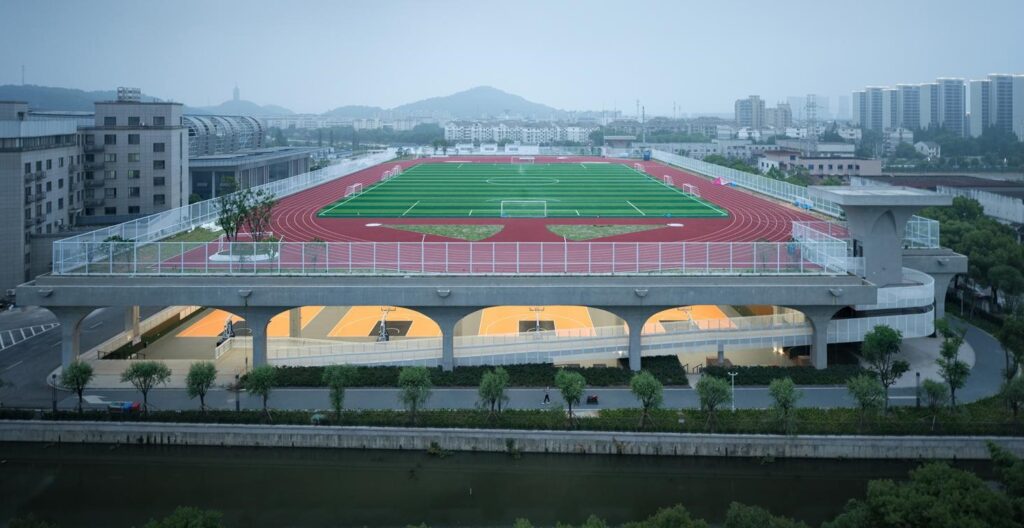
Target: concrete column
{"type": "Point", "coordinates": [295, 322]}
{"type": "Point", "coordinates": [257, 319]}
{"type": "Point", "coordinates": [819, 317]}
{"type": "Point", "coordinates": [942, 281]}
{"type": "Point", "coordinates": [446, 318]}
{"type": "Point", "coordinates": [131, 323]}
{"type": "Point", "coordinates": [70, 319]}
{"type": "Point", "coordinates": [635, 317]}
{"type": "Point", "coordinates": [721, 354]}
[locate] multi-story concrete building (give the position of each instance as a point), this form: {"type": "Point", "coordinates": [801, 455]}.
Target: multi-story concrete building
{"type": "Point", "coordinates": [952, 105]}
{"type": "Point", "coordinates": [750, 112]}
{"type": "Point", "coordinates": [135, 160]}
{"type": "Point", "coordinates": [909, 106]}
{"type": "Point", "coordinates": [39, 166]}
{"type": "Point", "coordinates": [462, 131]}
{"type": "Point", "coordinates": [912, 106]}
{"type": "Point", "coordinates": [779, 117]}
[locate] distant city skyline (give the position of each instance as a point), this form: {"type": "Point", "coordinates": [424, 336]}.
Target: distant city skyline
{"type": "Point", "coordinates": [313, 56]}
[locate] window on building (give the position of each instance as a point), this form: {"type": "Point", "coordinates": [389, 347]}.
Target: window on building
{"type": "Point", "coordinates": [110, 139]}
{"type": "Point", "coordinates": [133, 139]}
{"type": "Point", "coordinates": [133, 157]}
{"type": "Point", "coordinates": [60, 204]}
{"type": "Point", "coordinates": [158, 181]}
{"type": "Point", "coordinates": [110, 192]}
{"type": "Point", "coordinates": [60, 161]}
{"type": "Point", "coordinates": [134, 174]}
{"type": "Point", "coordinates": [158, 147]}
{"type": "Point", "coordinates": [110, 211]}
{"type": "Point", "coordinates": [158, 199]}
{"type": "Point", "coordinates": [49, 164]}
{"type": "Point", "coordinates": [158, 164]}
{"type": "Point", "coordinates": [39, 166]}
{"type": "Point", "coordinates": [60, 183]}
{"type": "Point", "coordinates": [28, 168]}
{"type": "Point", "coordinates": [110, 121]}
{"type": "Point", "coordinates": [49, 186]}
{"type": "Point", "coordinates": [110, 175]}
{"type": "Point", "coordinates": [49, 207]}
{"type": "Point", "coordinates": [158, 120]}
{"type": "Point", "coordinates": [110, 158]}
{"type": "Point", "coordinates": [134, 192]}
{"type": "Point", "coordinates": [134, 121]}
{"type": "Point", "coordinates": [89, 211]}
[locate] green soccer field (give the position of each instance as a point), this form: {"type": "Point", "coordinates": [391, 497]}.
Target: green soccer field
{"type": "Point", "coordinates": [521, 191]}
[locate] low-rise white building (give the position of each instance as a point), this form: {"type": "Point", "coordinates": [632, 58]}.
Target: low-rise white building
{"type": "Point", "coordinates": [523, 133]}
{"type": "Point", "coordinates": [929, 149]}
{"type": "Point", "coordinates": [786, 160]}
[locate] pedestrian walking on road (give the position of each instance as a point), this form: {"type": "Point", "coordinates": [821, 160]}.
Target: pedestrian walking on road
{"type": "Point", "coordinates": [547, 395]}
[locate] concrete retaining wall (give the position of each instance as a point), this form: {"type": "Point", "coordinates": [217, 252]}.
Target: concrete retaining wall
{"type": "Point", "coordinates": [577, 442]}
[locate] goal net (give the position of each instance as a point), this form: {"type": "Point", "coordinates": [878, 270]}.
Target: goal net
{"type": "Point", "coordinates": [667, 180]}
{"type": "Point", "coordinates": [639, 167]}
{"type": "Point", "coordinates": [354, 190]}
{"type": "Point", "coordinates": [523, 160]}
{"type": "Point", "coordinates": [391, 173]}
{"type": "Point", "coordinates": [524, 209]}
{"type": "Point", "coordinates": [691, 190]}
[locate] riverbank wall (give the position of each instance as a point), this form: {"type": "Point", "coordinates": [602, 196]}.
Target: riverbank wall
{"type": "Point", "coordinates": [510, 441]}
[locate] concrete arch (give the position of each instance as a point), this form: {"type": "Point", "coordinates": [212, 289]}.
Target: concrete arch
{"type": "Point", "coordinates": [563, 333]}
{"type": "Point", "coordinates": [71, 319]}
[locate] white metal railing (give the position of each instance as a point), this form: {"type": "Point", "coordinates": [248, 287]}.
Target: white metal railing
{"type": "Point", "coordinates": [755, 182]}
{"type": "Point", "coordinates": [920, 232]}
{"type": "Point", "coordinates": [816, 255]}
{"type": "Point", "coordinates": [161, 225]}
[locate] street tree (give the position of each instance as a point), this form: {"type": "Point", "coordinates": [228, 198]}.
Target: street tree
{"type": "Point", "coordinates": [338, 378]}
{"type": "Point", "coordinates": [260, 382]}
{"type": "Point", "coordinates": [230, 214]}
{"type": "Point", "coordinates": [493, 386]}
{"type": "Point", "coordinates": [952, 369]}
{"type": "Point", "coordinates": [144, 375]}
{"type": "Point", "coordinates": [571, 384]}
{"type": "Point", "coordinates": [743, 516]}
{"type": "Point", "coordinates": [414, 389]}
{"type": "Point", "coordinates": [649, 391]}
{"type": "Point", "coordinates": [199, 380]}
{"type": "Point", "coordinates": [1011, 337]}
{"type": "Point", "coordinates": [714, 392]}
{"type": "Point", "coordinates": [868, 393]}
{"type": "Point", "coordinates": [879, 350]}
{"type": "Point", "coordinates": [77, 377]}
{"type": "Point", "coordinates": [258, 211]}
{"type": "Point", "coordinates": [1012, 392]}
{"type": "Point", "coordinates": [784, 396]}
{"type": "Point", "coordinates": [935, 396]}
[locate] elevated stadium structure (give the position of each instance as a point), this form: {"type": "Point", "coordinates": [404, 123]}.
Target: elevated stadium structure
{"type": "Point", "coordinates": [867, 260]}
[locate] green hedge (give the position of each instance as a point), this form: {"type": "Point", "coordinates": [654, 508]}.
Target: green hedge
{"type": "Point", "coordinates": [834, 375]}
{"type": "Point", "coordinates": [985, 417]}
{"type": "Point", "coordinates": [666, 369]}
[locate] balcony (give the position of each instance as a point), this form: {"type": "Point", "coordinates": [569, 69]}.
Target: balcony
{"type": "Point", "coordinates": [94, 165]}
{"type": "Point", "coordinates": [74, 167]}
{"type": "Point", "coordinates": [90, 149]}
{"type": "Point", "coordinates": [39, 219]}
{"type": "Point", "coordinates": [28, 198]}
{"type": "Point", "coordinates": [40, 175]}
{"type": "Point", "coordinates": [93, 202]}
{"type": "Point", "coordinates": [29, 222]}
{"type": "Point", "coordinates": [93, 184]}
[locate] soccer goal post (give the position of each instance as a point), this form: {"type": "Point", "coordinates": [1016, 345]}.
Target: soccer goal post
{"type": "Point", "coordinates": [691, 190]}
{"type": "Point", "coordinates": [639, 167]}
{"type": "Point", "coordinates": [667, 180]}
{"type": "Point", "coordinates": [354, 190]}
{"type": "Point", "coordinates": [524, 209]}
{"type": "Point", "coordinates": [521, 160]}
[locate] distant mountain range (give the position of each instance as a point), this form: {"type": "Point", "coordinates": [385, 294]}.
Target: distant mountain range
{"type": "Point", "coordinates": [482, 101]}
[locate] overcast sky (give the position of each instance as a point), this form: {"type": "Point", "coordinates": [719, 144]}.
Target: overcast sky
{"type": "Point", "coordinates": [312, 56]}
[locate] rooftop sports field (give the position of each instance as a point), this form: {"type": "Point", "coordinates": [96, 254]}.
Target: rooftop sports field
{"type": "Point", "coordinates": [521, 191]}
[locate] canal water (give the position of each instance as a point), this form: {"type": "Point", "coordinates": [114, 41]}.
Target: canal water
{"type": "Point", "coordinates": [121, 486]}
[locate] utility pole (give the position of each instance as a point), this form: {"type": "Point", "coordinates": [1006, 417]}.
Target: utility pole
{"type": "Point", "coordinates": [643, 122]}
{"type": "Point", "coordinates": [23, 75]}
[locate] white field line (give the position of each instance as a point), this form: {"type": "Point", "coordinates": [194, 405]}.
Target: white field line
{"type": "Point", "coordinates": [410, 208]}
{"type": "Point", "coordinates": [637, 208]}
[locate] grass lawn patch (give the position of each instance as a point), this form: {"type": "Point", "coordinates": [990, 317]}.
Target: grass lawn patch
{"type": "Point", "coordinates": [470, 232]}
{"type": "Point", "coordinates": [577, 232]}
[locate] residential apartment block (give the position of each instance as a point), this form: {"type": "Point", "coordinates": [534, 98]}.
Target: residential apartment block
{"type": "Point", "coordinates": [459, 131]}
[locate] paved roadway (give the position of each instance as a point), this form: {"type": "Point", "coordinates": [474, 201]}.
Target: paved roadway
{"type": "Point", "coordinates": [27, 364]}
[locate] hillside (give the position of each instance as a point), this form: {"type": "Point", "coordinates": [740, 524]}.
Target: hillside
{"type": "Point", "coordinates": [243, 107]}
{"type": "Point", "coordinates": [478, 102]}
{"type": "Point", "coordinates": [53, 98]}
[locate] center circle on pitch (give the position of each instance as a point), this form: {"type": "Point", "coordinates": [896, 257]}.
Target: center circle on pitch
{"type": "Point", "coordinates": [522, 180]}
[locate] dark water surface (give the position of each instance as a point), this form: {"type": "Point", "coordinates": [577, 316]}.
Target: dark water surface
{"type": "Point", "coordinates": [100, 485]}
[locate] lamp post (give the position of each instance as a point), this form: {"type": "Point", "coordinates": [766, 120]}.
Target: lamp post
{"type": "Point", "coordinates": [53, 385]}
{"type": "Point", "coordinates": [238, 395]}
{"type": "Point", "coordinates": [732, 376]}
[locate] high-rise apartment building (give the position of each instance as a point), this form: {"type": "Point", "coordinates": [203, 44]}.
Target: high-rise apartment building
{"type": "Point", "coordinates": [749, 112]}
{"type": "Point", "coordinates": [912, 106]}
{"type": "Point", "coordinates": [952, 105]}
{"type": "Point", "coordinates": [780, 117]}
{"type": "Point", "coordinates": [997, 102]}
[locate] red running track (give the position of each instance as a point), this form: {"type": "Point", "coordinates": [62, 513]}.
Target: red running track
{"type": "Point", "coordinates": [751, 218]}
